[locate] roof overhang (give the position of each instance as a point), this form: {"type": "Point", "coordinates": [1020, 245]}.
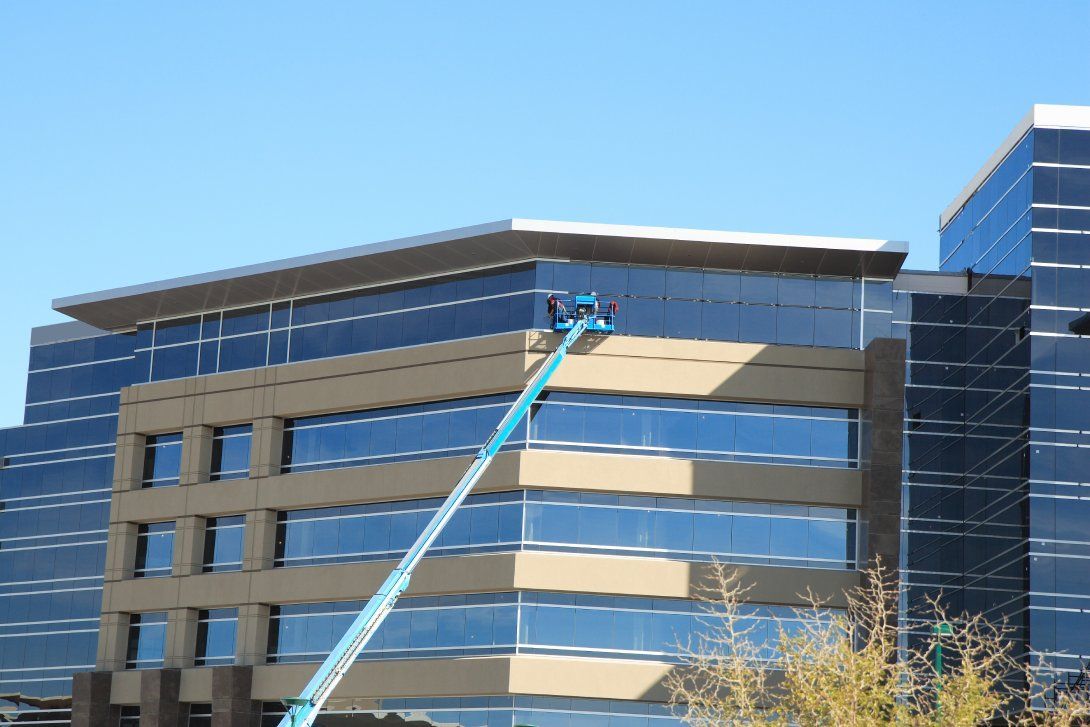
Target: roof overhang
{"type": "Point", "coordinates": [1045, 116]}
{"type": "Point", "coordinates": [490, 244]}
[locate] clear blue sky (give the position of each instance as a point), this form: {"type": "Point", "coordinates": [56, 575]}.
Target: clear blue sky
{"type": "Point", "coordinates": [147, 140]}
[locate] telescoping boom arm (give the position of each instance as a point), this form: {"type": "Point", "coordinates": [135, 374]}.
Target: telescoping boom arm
{"type": "Point", "coordinates": [303, 710]}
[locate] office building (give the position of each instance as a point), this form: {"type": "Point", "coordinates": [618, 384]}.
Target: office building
{"type": "Point", "coordinates": [265, 440]}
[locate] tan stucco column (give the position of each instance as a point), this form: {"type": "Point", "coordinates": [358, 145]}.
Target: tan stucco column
{"type": "Point", "coordinates": [113, 641]}
{"type": "Point", "coordinates": [129, 462]}
{"type": "Point", "coordinates": [259, 544]}
{"type": "Point", "coordinates": [196, 455]}
{"type": "Point", "coordinates": [252, 637]}
{"type": "Point", "coordinates": [188, 545]}
{"type": "Point", "coordinates": [181, 637]}
{"type": "Point", "coordinates": [266, 446]}
{"type": "Point", "coordinates": [120, 551]}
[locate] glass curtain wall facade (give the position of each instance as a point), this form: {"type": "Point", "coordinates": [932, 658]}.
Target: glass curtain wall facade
{"type": "Point", "coordinates": [1012, 394]}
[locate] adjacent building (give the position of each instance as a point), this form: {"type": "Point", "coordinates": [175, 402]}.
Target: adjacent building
{"type": "Point", "coordinates": [215, 471]}
{"type": "Point", "coordinates": [998, 405]}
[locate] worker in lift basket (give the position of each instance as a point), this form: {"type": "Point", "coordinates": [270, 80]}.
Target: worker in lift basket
{"type": "Point", "coordinates": [554, 304]}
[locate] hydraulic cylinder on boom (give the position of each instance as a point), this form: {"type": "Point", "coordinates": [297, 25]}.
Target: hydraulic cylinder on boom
{"type": "Point", "coordinates": [573, 316]}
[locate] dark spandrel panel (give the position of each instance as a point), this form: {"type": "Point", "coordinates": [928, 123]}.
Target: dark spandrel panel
{"type": "Point", "coordinates": [243, 352]}
{"type": "Point", "coordinates": [209, 357]}
{"type": "Point", "coordinates": [978, 236]}
{"type": "Point", "coordinates": [88, 350]}
{"type": "Point", "coordinates": [175, 362]}
{"type": "Point", "coordinates": [78, 381]}
{"type": "Point", "coordinates": [1071, 219]}
{"type": "Point", "coordinates": [177, 330]}
{"type": "Point", "coordinates": [1074, 187]}
{"type": "Point", "coordinates": [245, 320]}
{"type": "Point", "coordinates": [210, 326]}
{"type": "Point", "coordinates": [1046, 185]}
{"type": "Point", "coordinates": [1074, 147]}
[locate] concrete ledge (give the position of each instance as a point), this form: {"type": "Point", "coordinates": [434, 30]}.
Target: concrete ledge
{"type": "Point", "coordinates": [536, 469]}
{"type": "Point", "coordinates": [469, 676]}
{"type": "Point", "coordinates": [492, 364]}
{"type": "Point", "coordinates": [526, 571]}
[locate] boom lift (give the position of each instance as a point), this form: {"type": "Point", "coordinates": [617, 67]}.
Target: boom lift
{"type": "Point", "coordinates": [575, 316]}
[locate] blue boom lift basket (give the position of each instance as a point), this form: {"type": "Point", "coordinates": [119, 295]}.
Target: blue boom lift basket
{"type": "Point", "coordinates": [564, 312]}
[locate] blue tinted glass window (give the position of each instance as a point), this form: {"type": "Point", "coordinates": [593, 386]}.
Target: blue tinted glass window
{"type": "Point", "coordinates": [162, 459]}
{"type": "Point", "coordinates": [223, 542]}
{"type": "Point", "coordinates": [245, 320]}
{"type": "Point", "coordinates": [535, 623]}
{"type": "Point", "coordinates": [154, 550]}
{"type": "Point", "coordinates": [147, 640]}
{"type": "Point", "coordinates": [675, 528]}
{"type": "Point", "coordinates": [177, 330]}
{"type": "Point", "coordinates": [231, 452]}
{"type": "Point", "coordinates": [216, 630]}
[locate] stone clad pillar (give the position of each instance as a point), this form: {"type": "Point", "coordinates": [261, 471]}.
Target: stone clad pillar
{"type": "Point", "coordinates": [882, 444]}
{"type": "Point", "coordinates": [91, 700]}
{"type": "Point", "coordinates": [231, 702]}
{"type": "Point", "coordinates": [159, 705]}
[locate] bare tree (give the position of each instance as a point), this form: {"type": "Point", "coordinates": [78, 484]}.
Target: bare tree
{"type": "Point", "coordinates": [858, 666]}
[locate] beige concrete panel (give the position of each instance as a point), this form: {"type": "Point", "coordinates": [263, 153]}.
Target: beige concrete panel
{"type": "Point", "coordinates": [398, 481]}
{"type": "Point", "coordinates": [113, 641]}
{"type": "Point", "coordinates": [689, 478]}
{"type": "Point", "coordinates": [488, 675]}
{"type": "Point", "coordinates": [152, 504]}
{"type": "Point", "coordinates": [129, 462]}
{"type": "Point", "coordinates": [125, 688]}
{"type": "Point", "coordinates": [215, 590]}
{"type": "Point", "coordinates": [159, 417]}
{"type": "Point", "coordinates": [195, 686]}
{"type": "Point", "coordinates": [436, 677]}
{"type": "Point", "coordinates": [259, 540]}
{"type": "Point", "coordinates": [467, 574]}
{"type": "Point", "coordinates": [181, 638]}
{"type": "Point", "coordinates": [252, 634]}
{"type": "Point", "coordinates": [530, 571]}
{"type": "Point", "coordinates": [120, 551]}
{"type": "Point", "coordinates": [719, 380]}
{"type": "Point", "coordinates": [196, 454]}
{"type": "Point", "coordinates": [510, 470]}
{"type": "Point", "coordinates": [718, 351]}
{"type": "Point", "coordinates": [501, 363]}
{"type": "Point", "coordinates": [266, 446]}
{"type": "Point", "coordinates": [661, 578]}
{"type": "Point", "coordinates": [228, 406]}
{"type": "Point", "coordinates": [142, 594]}
{"type": "Point", "coordinates": [188, 545]}
{"type": "Point", "coordinates": [589, 678]}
